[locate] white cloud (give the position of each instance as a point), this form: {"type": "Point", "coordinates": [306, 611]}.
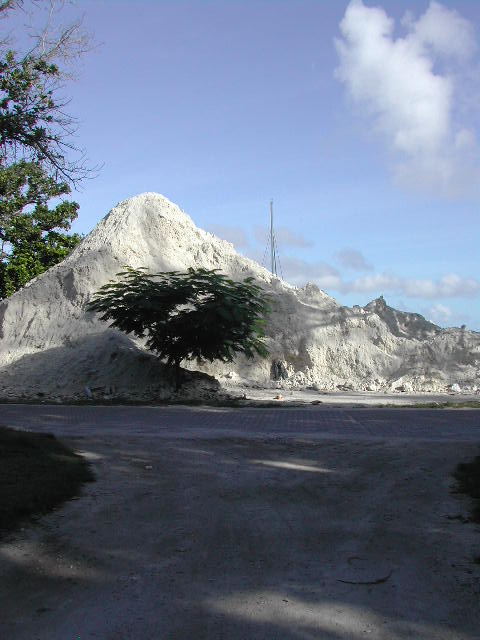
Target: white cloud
{"type": "Point", "coordinates": [407, 99]}
{"type": "Point", "coordinates": [449, 286]}
{"type": "Point", "coordinates": [377, 282]}
{"type": "Point", "coordinates": [444, 30]}
{"type": "Point", "coordinates": [353, 259]}
{"type": "Point", "coordinates": [329, 278]}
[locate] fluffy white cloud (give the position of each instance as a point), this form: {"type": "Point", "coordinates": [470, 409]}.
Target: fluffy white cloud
{"type": "Point", "coordinates": [378, 282]}
{"type": "Point", "coordinates": [353, 259]}
{"type": "Point", "coordinates": [449, 286]}
{"type": "Point", "coordinates": [400, 88]}
{"type": "Point", "coordinates": [444, 30]}
{"type": "Point", "coordinates": [329, 278]}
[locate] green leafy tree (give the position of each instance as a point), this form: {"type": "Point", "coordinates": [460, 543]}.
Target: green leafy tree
{"type": "Point", "coordinates": [200, 314]}
{"type": "Point", "coordinates": [35, 151]}
{"type": "Point", "coordinates": [32, 237]}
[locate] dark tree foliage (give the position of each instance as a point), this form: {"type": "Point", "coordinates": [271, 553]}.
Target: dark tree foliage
{"type": "Point", "coordinates": [27, 111]}
{"type": "Point", "coordinates": [31, 234]}
{"type": "Point", "coordinates": [200, 314]}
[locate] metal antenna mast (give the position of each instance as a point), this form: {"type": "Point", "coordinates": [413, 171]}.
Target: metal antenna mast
{"type": "Point", "coordinates": [273, 256]}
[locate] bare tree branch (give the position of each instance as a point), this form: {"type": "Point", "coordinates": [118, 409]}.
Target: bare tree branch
{"type": "Point", "coordinates": [34, 124]}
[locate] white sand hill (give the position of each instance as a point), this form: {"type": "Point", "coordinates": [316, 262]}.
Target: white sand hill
{"type": "Point", "coordinates": [51, 347]}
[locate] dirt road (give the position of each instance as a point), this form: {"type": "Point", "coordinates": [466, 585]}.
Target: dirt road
{"type": "Point", "coordinates": [294, 524]}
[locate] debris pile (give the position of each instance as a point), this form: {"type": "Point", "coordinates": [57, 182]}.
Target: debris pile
{"type": "Point", "coordinates": [52, 348]}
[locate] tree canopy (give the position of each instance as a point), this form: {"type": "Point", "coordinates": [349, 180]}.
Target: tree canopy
{"type": "Point", "coordinates": [31, 237]}
{"type": "Point", "coordinates": [38, 160]}
{"type": "Point", "coordinates": [201, 314]}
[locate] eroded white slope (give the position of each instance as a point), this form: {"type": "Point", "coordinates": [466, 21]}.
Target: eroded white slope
{"type": "Point", "coordinates": [50, 345]}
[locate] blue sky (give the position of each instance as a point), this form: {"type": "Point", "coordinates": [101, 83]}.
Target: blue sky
{"type": "Point", "coordinates": [360, 120]}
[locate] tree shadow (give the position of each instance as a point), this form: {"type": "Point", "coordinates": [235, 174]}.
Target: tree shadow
{"type": "Point", "coordinates": [248, 538]}
{"type": "Point", "coordinates": [102, 366]}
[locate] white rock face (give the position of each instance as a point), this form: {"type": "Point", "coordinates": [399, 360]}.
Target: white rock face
{"type": "Point", "coordinates": [50, 345]}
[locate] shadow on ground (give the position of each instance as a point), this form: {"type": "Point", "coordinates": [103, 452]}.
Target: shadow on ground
{"type": "Point", "coordinates": [238, 538]}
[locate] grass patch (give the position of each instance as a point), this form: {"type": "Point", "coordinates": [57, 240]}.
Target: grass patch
{"type": "Point", "coordinates": [37, 474]}
{"type": "Point", "coordinates": [467, 475]}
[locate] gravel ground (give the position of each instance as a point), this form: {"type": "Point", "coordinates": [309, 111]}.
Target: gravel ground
{"type": "Point", "coordinates": [203, 525]}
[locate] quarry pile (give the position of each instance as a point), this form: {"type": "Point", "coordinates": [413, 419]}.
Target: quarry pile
{"type": "Point", "coordinates": [52, 348]}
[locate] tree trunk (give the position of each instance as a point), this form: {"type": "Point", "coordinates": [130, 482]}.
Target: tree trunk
{"type": "Point", "coordinates": [177, 374]}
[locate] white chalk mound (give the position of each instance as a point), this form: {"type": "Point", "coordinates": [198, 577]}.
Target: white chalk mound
{"type": "Point", "coordinates": [51, 347]}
